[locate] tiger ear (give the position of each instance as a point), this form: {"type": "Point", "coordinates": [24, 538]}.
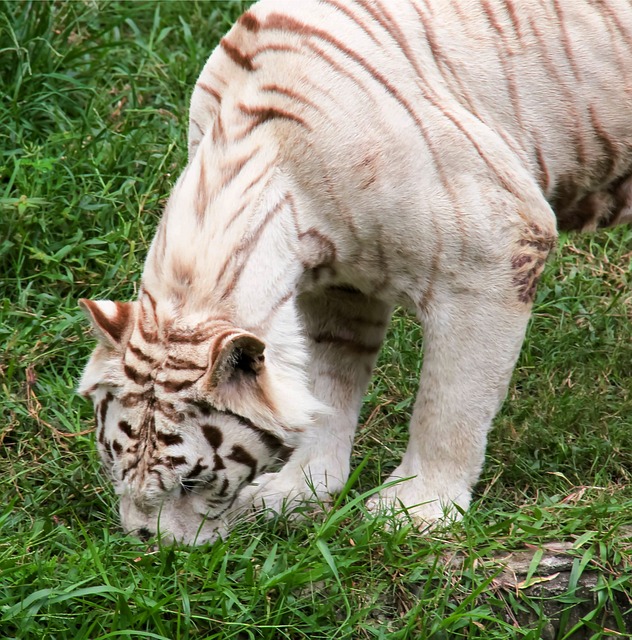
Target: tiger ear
{"type": "Point", "coordinates": [240, 354]}
{"type": "Point", "coordinates": [111, 321]}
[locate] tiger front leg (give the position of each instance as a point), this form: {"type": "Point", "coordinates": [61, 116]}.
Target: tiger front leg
{"type": "Point", "coordinates": [345, 330]}
{"type": "Point", "coordinates": [471, 342]}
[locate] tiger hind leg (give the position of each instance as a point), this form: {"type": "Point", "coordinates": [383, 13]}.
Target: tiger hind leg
{"type": "Point", "coordinates": [345, 330]}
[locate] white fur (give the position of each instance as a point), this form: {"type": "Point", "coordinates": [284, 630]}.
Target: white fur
{"type": "Point", "coordinates": [435, 137]}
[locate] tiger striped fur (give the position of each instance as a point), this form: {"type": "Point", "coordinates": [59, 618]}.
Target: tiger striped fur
{"type": "Point", "coordinates": [346, 156]}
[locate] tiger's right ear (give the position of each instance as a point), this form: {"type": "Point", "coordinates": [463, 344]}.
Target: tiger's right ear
{"type": "Point", "coordinates": [112, 322]}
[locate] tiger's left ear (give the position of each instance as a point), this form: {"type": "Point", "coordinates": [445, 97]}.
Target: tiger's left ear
{"type": "Point", "coordinates": [111, 321]}
{"type": "Point", "coordinates": [239, 354]}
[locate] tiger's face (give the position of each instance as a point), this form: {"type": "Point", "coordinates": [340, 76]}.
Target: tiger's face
{"type": "Point", "coordinates": [177, 464]}
{"type": "Point", "coordinates": [184, 420]}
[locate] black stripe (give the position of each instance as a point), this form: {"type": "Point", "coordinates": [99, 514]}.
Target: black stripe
{"type": "Point", "coordinates": [126, 428]}
{"type": "Point", "coordinates": [169, 439]}
{"type": "Point", "coordinates": [240, 455]}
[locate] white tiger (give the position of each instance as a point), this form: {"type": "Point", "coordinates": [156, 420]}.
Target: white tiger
{"type": "Point", "coordinates": [346, 156]}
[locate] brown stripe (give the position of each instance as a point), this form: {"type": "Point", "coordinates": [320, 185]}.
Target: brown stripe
{"type": "Point", "coordinates": [203, 407]}
{"type": "Point", "coordinates": [107, 449]}
{"type": "Point", "coordinates": [136, 376]}
{"type": "Point", "coordinates": [286, 23]}
{"type": "Point", "coordinates": [152, 301]}
{"type": "Point", "coordinates": [272, 443]}
{"type": "Point", "coordinates": [218, 134]}
{"type": "Point", "coordinates": [148, 335]}
{"type": "Point", "coordinates": [197, 125]}
{"type": "Point", "coordinates": [327, 247]}
{"type": "Point", "coordinates": [176, 461]}
{"type": "Point", "coordinates": [380, 16]}
{"type": "Point", "coordinates": [566, 42]}
{"type": "Point", "coordinates": [196, 336]}
{"type": "Point", "coordinates": [224, 488]}
{"type": "Point", "coordinates": [504, 58]}
{"type": "Point", "coordinates": [180, 364]}
{"type": "Point", "coordinates": [513, 16]}
{"type": "Point", "coordinates": [574, 126]}
{"type": "Point", "coordinates": [339, 68]}
{"type": "Point", "coordinates": [284, 454]}
{"type": "Point", "coordinates": [612, 14]}
{"type": "Point", "coordinates": [238, 57]}
{"type": "Point", "coordinates": [215, 503]}
{"type": "Point", "coordinates": [608, 145]}
{"type": "Point", "coordinates": [100, 432]}
{"type": "Point", "coordinates": [171, 386]}
{"type": "Point", "coordinates": [135, 398]}
{"type": "Point", "coordinates": [343, 210]}
{"type": "Point", "coordinates": [202, 194]}
{"type": "Point", "coordinates": [249, 22]}
{"type": "Point", "coordinates": [258, 178]}
{"type": "Point", "coordinates": [130, 467]}
{"type": "Point", "coordinates": [255, 181]}
{"type": "Point", "coordinates": [230, 222]}
{"type": "Point", "coordinates": [283, 48]}
{"type": "Point", "coordinates": [274, 308]}
{"type": "Point", "coordinates": [210, 90]}
{"type": "Point", "coordinates": [230, 173]}
{"type": "Point", "coordinates": [263, 114]}
{"type": "Point", "coordinates": [140, 354]}
{"type": "Point", "coordinates": [147, 427]}
{"type": "Point", "coordinates": [169, 411]}
{"type": "Point", "coordinates": [290, 93]}
{"type": "Point", "coordinates": [247, 244]}
{"type": "Point", "coordinates": [622, 56]}
{"type": "Point", "coordinates": [346, 11]}
{"type": "Point", "coordinates": [544, 177]}
{"type": "Point", "coordinates": [442, 59]}
{"type": "Point", "coordinates": [218, 463]}
{"type": "Point", "coordinates": [461, 15]}
{"type": "Point", "coordinates": [491, 18]}
{"type": "Point", "coordinates": [433, 274]}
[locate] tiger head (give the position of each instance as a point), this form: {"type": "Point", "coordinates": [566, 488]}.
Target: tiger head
{"type": "Point", "coordinates": [186, 415]}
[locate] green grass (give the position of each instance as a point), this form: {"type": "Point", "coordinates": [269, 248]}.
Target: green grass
{"type": "Point", "coordinates": [93, 133]}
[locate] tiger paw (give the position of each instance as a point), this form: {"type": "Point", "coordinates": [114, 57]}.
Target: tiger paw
{"type": "Point", "coordinates": [413, 499]}
{"type": "Point", "coordinates": [285, 491]}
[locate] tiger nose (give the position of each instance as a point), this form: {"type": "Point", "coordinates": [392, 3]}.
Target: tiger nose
{"type": "Point", "coordinates": [144, 496]}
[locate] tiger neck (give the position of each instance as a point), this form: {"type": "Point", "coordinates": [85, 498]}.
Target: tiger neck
{"type": "Point", "coordinates": [237, 250]}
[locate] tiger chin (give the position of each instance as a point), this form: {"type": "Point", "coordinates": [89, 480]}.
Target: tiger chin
{"type": "Point", "coordinates": [345, 158]}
